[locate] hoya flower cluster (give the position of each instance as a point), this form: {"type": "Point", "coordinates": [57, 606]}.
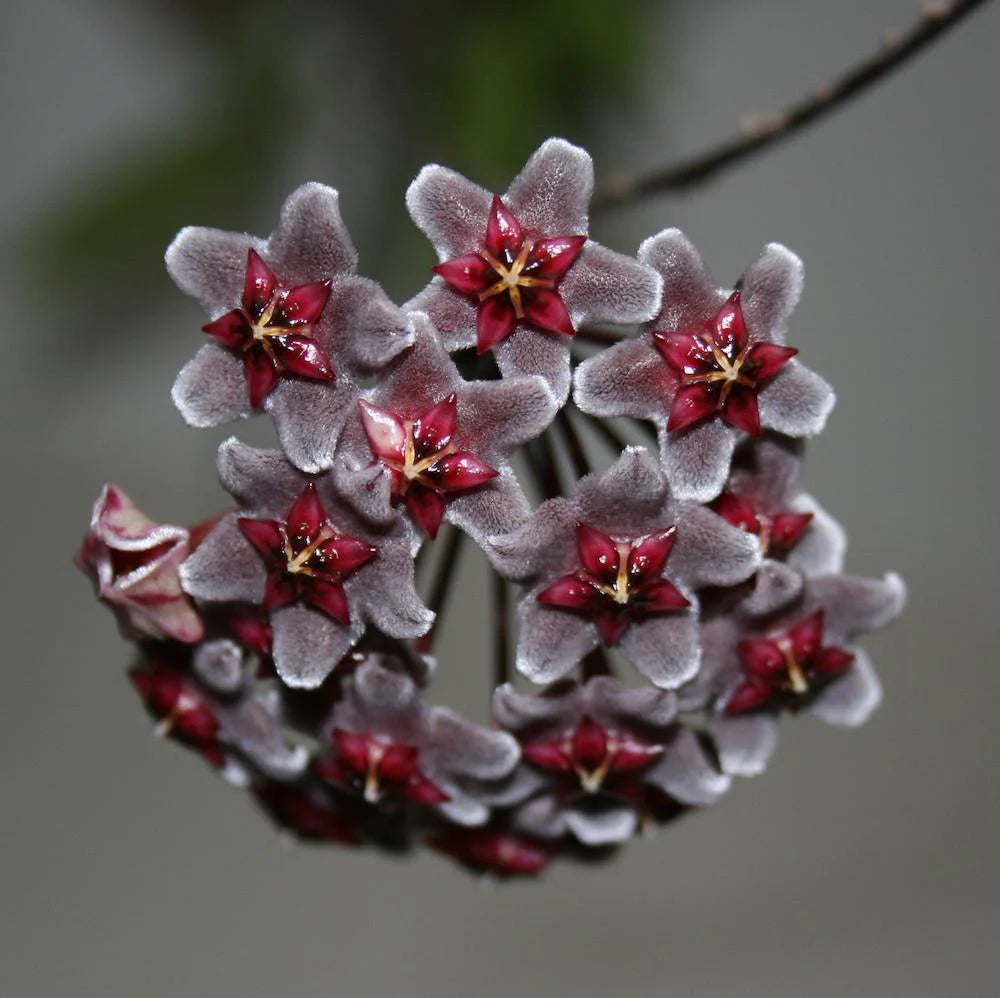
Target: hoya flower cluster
{"type": "Point", "coordinates": [674, 600]}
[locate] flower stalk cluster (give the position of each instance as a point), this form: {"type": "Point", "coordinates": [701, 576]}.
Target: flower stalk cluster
{"type": "Point", "coordinates": [673, 602]}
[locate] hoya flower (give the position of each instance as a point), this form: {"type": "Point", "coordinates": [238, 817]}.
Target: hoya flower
{"type": "Point", "coordinates": [493, 850]}
{"type": "Point", "coordinates": [293, 328]}
{"type": "Point", "coordinates": [228, 731]}
{"type": "Point", "coordinates": [133, 564]}
{"type": "Point", "coordinates": [805, 658]}
{"type": "Point", "coordinates": [428, 441]}
{"type": "Point", "coordinates": [309, 813]}
{"type": "Point", "coordinates": [618, 562]}
{"type": "Point", "coordinates": [798, 539]}
{"type": "Point", "coordinates": [711, 366]}
{"type": "Point", "coordinates": [518, 274]}
{"type": "Point", "coordinates": [317, 571]}
{"type": "Point", "coordinates": [386, 745]}
{"type": "Point", "coordinates": [603, 755]}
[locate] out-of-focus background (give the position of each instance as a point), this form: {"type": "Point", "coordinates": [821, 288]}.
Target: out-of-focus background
{"type": "Point", "coordinates": [862, 863]}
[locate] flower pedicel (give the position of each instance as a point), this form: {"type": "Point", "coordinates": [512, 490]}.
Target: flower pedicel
{"type": "Point", "coordinates": [672, 606]}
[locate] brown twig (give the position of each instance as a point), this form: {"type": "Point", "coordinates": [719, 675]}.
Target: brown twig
{"type": "Point", "coordinates": [765, 130]}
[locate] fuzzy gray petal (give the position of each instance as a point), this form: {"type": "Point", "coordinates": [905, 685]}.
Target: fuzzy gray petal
{"type": "Point", "coordinates": [308, 644]}
{"type": "Point", "coordinates": [450, 210]}
{"type": "Point", "coordinates": [821, 549]}
{"type": "Point", "coordinates": [605, 286]}
{"type": "Point", "coordinates": [530, 351]}
{"type": "Point", "coordinates": [251, 728]}
{"type": "Point", "coordinates": [211, 388]}
{"type": "Point", "coordinates": [797, 402]}
{"type": "Point", "coordinates": [775, 585]}
{"type": "Point", "coordinates": [499, 416]}
{"type": "Point", "coordinates": [497, 507]}
{"type": "Point", "coordinates": [309, 417]}
{"type": "Point", "coordinates": [711, 552]}
{"type": "Point", "coordinates": [452, 313]}
{"type": "Point", "coordinates": [361, 328]}
{"type": "Point", "coordinates": [224, 567]}
{"type": "Point", "coordinates": [854, 606]}
{"type": "Point", "coordinates": [544, 545]}
{"type": "Point", "coordinates": [689, 294]}
{"type": "Point", "coordinates": [611, 703]}
{"type": "Point", "coordinates": [686, 774]}
{"type": "Point", "coordinates": [459, 747]}
{"type": "Point", "coordinates": [744, 744]}
{"type": "Point", "coordinates": [851, 699]}
{"type": "Point", "coordinates": [541, 817]}
{"type": "Point", "coordinates": [261, 481]}
{"type": "Point", "coordinates": [696, 460]}
{"type": "Point", "coordinates": [602, 826]}
{"type": "Point", "coordinates": [385, 593]}
{"type": "Point", "coordinates": [210, 265]}
{"type": "Point", "coordinates": [628, 379]}
{"type": "Point", "coordinates": [552, 193]}
{"type": "Point", "coordinates": [551, 641]}
{"type": "Point", "coordinates": [771, 289]}
{"type": "Point", "coordinates": [626, 497]}
{"type": "Point", "coordinates": [664, 649]}
{"type": "Point", "coordinates": [219, 665]}
{"type": "Point", "coordinates": [311, 240]}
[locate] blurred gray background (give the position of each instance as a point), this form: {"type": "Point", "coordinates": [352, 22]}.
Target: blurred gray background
{"type": "Point", "coordinates": [863, 863]}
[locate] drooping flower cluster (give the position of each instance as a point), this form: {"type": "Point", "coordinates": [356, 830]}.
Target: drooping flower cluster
{"type": "Point", "coordinates": [673, 601]}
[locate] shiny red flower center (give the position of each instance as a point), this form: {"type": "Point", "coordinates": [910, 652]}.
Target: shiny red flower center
{"type": "Point", "coordinates": [778, 533]}
{"type": "Point", "coordinates": [619, 581]}
{"type": "Point", "coordinates": [513, 277]}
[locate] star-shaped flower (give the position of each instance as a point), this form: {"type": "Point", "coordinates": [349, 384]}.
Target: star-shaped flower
{"type": "Point", "coordinates": [133, 564]}
{"type": "Point", "coordinates": [288, 312]}
{"type": "Point", "coordinates": [298, 551]}
{"type": "Point", "coordinates": [306, 558]}
{"type": "Point", "coordinates": [440, 445]}
{"type": "Point", "coordinates": [272, 331]}
{"type": "Point", "coordinates": [513, 277]}
{"type": "Point", "coordinates": [711, 366]}
{"type": "Point", "coordinates": [601, 759]}
{"type": "Point", "coordinates": [619, 581]}
{"type": "Point", "coordinates": [517, 272]}
{"type": "Point", "coordinates": [388, 744]}
{"type": "Point", "coordinates": [610, 573]}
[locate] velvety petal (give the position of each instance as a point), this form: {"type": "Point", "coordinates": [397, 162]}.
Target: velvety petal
{"type": "Point", "coordinates": [550, 642]}
{"type": "Point", "coordinates": [361, 330]}
{"type": "Point", "coordinates": [541, 817]}
{"type": "Point", "coordinates": [308, 644]}
{"type": "Point", "coordinates": [449, 209]}
{"type": "Point", "coordinates": [219, 664]}
{"type": "Point", "coordinates": [711, 552]}
{"type": "Point", "coordinates": [604, 286]}
{"type": "Point", "coordinates": [210, 265]}
{"type": "Point", "coordinates": [775, 586]}
{"type": "Point", "coordinates": [602, 826]}
{"type": "Point", "coordinates": [384, 591]}
{"type": "Point", "coordinates": [613, 704]}
{"type": "Point", "coordinates": [524, 712]}
{"type": "Point", "coordinates": [689, 295]}
{"type": "Point", "coordinates": [546, 310]}
{"type": "Point", "coordinates": [821, 549]}
{"type": "Point", "coordinates": [503, 231]}
{"type": "Point", "coordinates": [454, 315]}
{"type": "Point", "coordinates": [771, 288]}
{"type": "Point", "coordinates": [696, 462]}
{"type": "Point", "coordinates": [261, 481]}
{"type": "Point", "coordinates": [311, 241]}
{"type": "Point", "coordinates": [468, 273]}
{"type": "Point", "coordinates": [498, 416]}
{"type": "Point", "coordinates": [552, 193]}
{"type": "Point", "coordinates": [211, 388]}
{"type": "Point", "coordinates": [369, 493]}
{"type": "Point", "coordinates": [626, 496]}
{"type": "Point", "coordinates": [543, 546]}
{"type": "Point", "coordinates": [797, 402]}
{"type": "Point", "coordinates": [459, 747]}
{"type": "Point", "coordinates": [744, 744]}
{"type": "Point", "coordinates": [628, 379]}
{"type": "Point", "coordinates": [495, 508]}
{"type": "Point", "coordinates": [854, 606]}
{"type": "Point", "coordinates": [527, 352]}
{"type": "Point", "coordinates": [224, 567]}
{"type": "Point", "coordinates": [251, 728]}
{"type": "Point", "coordinates": [850, 700]}
{"type": "Point", "coordinates": [686, 773]}
{"type": "Point", "coordinates": [664, 648]}
{"type": "Point", "coordinates": [309, 417]}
